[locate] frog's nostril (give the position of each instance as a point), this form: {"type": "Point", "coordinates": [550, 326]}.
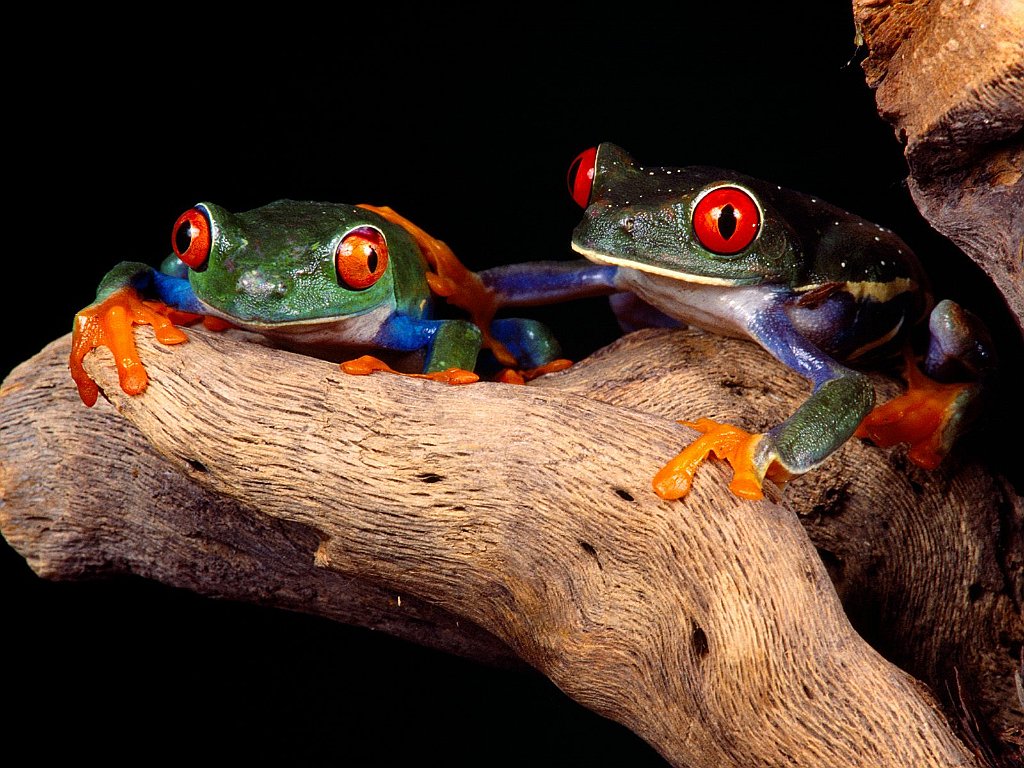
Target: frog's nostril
{"type": "Point", "coordinates": [627, 224]}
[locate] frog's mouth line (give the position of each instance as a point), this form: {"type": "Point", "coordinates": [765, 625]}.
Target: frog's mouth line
{"type": "Point", "coordinates": [687, 277]}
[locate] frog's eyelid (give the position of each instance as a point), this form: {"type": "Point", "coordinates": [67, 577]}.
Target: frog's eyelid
{"type": "Point", "coordinates": [729, 185]}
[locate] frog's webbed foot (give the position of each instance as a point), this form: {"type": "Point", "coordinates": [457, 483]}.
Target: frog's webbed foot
{"type": "Point", "coordinates": [734, 445]}
{"type": "Point", "coordinates": [368, 364]}
{"type": "Point", "coordinates": [108, 323]}
{"type": "Point", "coordinates": [941, 401]}
{"type": "Point", "coordinates": [927, 417]}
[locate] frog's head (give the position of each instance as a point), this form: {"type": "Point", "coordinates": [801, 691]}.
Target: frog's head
{"type": "Point", "coordinates": [291, 262]}
{"type": "Point", "coordinates": [694, 224]}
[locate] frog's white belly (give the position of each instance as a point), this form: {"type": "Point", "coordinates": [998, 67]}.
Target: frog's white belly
{"type": "Point", "coordinates": [728, 310]}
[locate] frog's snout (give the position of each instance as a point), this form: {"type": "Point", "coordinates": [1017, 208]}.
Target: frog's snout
{"type": "Point", "coordinates": [610, 234]}
{"type": "Point", "coordinates": [256, 284]}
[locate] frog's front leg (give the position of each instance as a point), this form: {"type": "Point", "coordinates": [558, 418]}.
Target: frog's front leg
{"type": "Point", "coordinates": [527, 347]}
{"type": "Point", "coordinates": [840, 399]}
{"type": "Point", "coordinates": [131, 293]}
{"type": "Point", "coordinates": [451, 348]}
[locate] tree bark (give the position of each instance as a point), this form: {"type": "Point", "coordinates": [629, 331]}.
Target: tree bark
{"type": "Point", "coordinates": [949, 77]}
{"type": "Point", "coordinates": [517, 523]}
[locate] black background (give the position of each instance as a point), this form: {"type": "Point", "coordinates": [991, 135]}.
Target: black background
{"type": "Point", "coordinates": [464, 123]}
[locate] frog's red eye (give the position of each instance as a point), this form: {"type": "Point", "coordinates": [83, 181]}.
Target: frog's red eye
{"type": "Point", "coordinates": [726, 220]}
{"type": "Point", "coordinates": [361, 258]}
{"type": "Point", "coordinates": [581, 176]}
{"type": "Point", "coordinates": [191, 238]}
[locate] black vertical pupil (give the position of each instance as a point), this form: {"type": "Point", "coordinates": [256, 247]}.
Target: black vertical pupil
{"type": "Point", "coordinates": [183, 237]}
{"type": "Point", "coordinates": [371, 260]}
{"type": "Point", "coordinates": [727, 222]}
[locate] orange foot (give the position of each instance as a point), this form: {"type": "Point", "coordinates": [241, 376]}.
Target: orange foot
{"type": "Point", "coordinates": [109, 324]}
{"type": "Point", "coordinates": [918, 417]}
{"type": "Point", "coordinates": [727, 442]}
{"type": "Point", "coordinates": [367, 364]}
{"type": "Point", "coordinates": [516, 376]}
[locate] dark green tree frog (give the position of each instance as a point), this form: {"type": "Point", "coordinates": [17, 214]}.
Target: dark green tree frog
{"type": "Point", "coordinates": [820, 289]}
{"type": "Point", "coordinates": [326, 279]}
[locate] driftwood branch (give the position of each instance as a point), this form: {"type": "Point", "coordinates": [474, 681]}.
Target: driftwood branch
{"type": "Point", "coordinates": [949, 77]}
{"type": "Point", "coordinates": [517, 525]}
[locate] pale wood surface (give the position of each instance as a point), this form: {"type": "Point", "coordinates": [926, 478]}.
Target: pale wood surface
{"type": "Point", "coordinates": [519, 522]}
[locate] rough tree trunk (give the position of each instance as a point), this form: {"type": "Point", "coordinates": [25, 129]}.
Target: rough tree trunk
{"type": "Point", "coordinates": [949, 77]}
{"type": "Point", "coordinates": [708, 626]}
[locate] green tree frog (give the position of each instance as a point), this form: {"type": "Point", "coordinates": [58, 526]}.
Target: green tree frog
{"type": "Point", "coordinates": [327, 279]}
{"type": "Point", "coordinates": [819, 288]}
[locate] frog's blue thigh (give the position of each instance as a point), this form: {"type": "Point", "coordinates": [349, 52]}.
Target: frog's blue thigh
{"type": "Point", "coordinates": [175, 292]}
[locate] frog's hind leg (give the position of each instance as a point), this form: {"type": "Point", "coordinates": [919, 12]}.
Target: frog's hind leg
{"type": "Point", "coordinates": [960, 347]}
{"type": "Point", "coordinates": [942, 400]}
{"type": "Point", "coordinates": [532, 344]}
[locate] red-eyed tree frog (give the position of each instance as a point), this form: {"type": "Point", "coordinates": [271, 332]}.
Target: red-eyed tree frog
{"type": "Point", "coordinates": [820, 289]}
{"type": "Point", "coordinates": [327, 279]}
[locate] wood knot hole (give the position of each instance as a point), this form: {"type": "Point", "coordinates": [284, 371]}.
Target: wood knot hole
{"type": "Point", "coordinates": [699, 639]}
{"type": "Point", "coordinates": [590, 550]}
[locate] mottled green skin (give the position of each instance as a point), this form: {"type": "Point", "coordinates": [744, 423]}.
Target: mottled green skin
{"type": "Point", "coordinates": [272, 270]}
{"type": "Point", "coordinates": [275, 264]}
{"type": "Point", "coordinates": [803, 240]}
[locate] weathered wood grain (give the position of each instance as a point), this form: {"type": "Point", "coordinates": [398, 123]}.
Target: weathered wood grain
{"type": "Point", "coordinates": [949, 77]}
{"type": "Point", "coordinates": [709, 627]}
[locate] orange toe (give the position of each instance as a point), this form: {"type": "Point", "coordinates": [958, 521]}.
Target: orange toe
{"type": "Point", "coordinates": [727, 442]}
{"type": "Point", "coordinates": [519, 376]}
{"type": "Point", "coordinates": [367, 364]}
